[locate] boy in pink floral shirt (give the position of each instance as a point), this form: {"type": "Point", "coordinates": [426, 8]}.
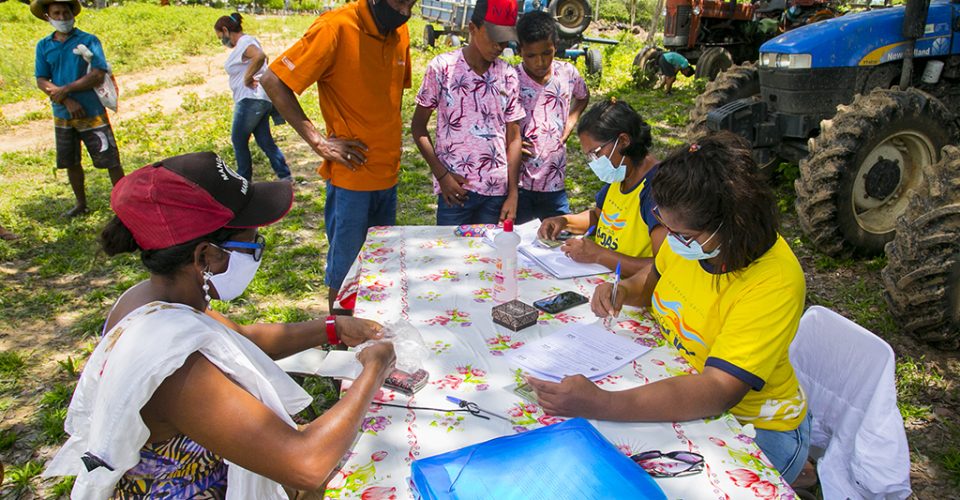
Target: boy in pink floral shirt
{"type": "Point", "coordinates": [553, 94]}
{"type": "Point", "coordinates": [476, 157]}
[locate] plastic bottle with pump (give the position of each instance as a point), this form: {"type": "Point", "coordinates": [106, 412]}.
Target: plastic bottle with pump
{"type": "Point", "coordinates": [505, 280]}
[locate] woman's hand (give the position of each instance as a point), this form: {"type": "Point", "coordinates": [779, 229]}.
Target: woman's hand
{"type": "Point", "coordinates": [581, 250]}
{"type": "Point", "coordinates": [601, 304]}
{"type": "Point", "coordinates": [574, 396]}
{"type": "Point", "coordinates": [355, 331]}
{"type": "Point", "coordinates": [551, 227]}
{"type": "Point", "coordinates": [379, 356]}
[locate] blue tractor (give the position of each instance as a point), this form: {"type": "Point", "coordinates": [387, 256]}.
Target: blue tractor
{"type": "Point", "coordinates": [863, 102]}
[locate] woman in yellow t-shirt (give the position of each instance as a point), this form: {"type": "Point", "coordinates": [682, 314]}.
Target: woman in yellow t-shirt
{"type": "Point", "coordinates": [727, 292]}
{"type": "Point", "coordinates": [612, 133]}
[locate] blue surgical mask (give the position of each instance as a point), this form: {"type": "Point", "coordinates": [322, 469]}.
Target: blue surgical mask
{"type": "Point", "coordinates": [603, 168]}
{"type": "Point", "coordinates": [692, 249]}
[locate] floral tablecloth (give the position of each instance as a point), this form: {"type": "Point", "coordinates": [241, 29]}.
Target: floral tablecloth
{"type": "Point", "coordinates": [442, 284]}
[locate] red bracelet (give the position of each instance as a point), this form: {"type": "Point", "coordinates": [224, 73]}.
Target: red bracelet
{"type": "Point", "coordinates": [332, 337]}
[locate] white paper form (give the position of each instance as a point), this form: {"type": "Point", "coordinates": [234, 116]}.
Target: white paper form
{"type": "Point", "coordinates": [587, 350]}
{"type": "Point", "coordinates": [555, 262]}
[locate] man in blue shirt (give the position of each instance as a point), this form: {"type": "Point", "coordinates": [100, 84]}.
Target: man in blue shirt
{"type": "Point", "coordinates": [77, 113]}
{"type": "Point", "coordinates": [670, 63]}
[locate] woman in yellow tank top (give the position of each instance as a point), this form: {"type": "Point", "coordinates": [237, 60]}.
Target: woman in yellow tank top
{"type": "Point", "coordinates": [617, 143]}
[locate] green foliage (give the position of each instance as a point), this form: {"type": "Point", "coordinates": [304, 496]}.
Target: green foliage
{"type": "Point", "coordinates": [62, 488]}
{"type": "Point", "coordinates": [21, 476]}
{"type": "Point", "coordinates": [69, 367]}
{"type": "Point", "coordinates": [914, 381]}
{"type": "Point", "coordinates": [11, 364]}
{"type": "Point", "coordinates": [8, 438]}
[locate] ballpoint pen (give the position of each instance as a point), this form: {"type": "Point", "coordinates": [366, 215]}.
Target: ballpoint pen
{"type": "Point", "coordinates": [473, 408]}
{"type": "Point", "coordinates": [616, 284]}
{"type": "Point", "coordinates": [588, 233]}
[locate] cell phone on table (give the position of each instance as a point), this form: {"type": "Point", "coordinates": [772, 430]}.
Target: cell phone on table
{"type": "Point", "coordinates": [563, 236]}
{"type": "Point", "coordinates": [560, 302]}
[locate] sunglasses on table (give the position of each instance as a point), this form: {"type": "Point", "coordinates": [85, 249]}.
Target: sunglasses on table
{"type": "Point", "coordinates": [257, 245]}
{"type": "Point", "coordinates": [671, 464]}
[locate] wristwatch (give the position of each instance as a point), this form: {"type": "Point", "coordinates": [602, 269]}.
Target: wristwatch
{"type": "Point", "coordinates": [332, 337]}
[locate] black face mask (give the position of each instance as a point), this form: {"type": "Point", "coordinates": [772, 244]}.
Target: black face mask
{"type": "Point", "coordinates": [387, 18]}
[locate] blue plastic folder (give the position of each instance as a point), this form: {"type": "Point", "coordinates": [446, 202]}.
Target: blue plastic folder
{"type": "Point", "coordinates": [566, 460]}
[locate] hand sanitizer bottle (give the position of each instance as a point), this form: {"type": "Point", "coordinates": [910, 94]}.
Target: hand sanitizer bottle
{"type": "Point", "coordinates": [505, 280]}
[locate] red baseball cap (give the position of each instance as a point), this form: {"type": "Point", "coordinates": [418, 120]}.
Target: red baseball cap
{"type": "Point", "coordinates": [182, 198]}
{"type": "Point", "coordinates": [498, 17]}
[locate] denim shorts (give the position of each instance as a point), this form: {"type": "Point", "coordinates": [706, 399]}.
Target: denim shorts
{"type": "Point", "coordinates": [348, 215]}
{"type": "Point", "coordinates": [787, 450]}
{"type": "Point", "coordinates": [541, 205]}
{"type": "Point", "coordinates": [476, 209]}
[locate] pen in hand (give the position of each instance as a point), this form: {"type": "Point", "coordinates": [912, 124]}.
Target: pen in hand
{"type": "Point", "coordinates": [589, 232]}
{"type": "Point", "coordinates": [613, 294]}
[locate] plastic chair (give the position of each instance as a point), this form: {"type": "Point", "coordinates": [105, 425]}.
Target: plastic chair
{"type": "Point", "coordinates": [857, 434]}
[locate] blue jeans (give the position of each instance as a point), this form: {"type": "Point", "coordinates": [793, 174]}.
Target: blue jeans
{"type": "Point", "coordinates": [787, 450]}
{"type": "Point", "coordinates": [541, 205]}
{"type": "Point", "coordinates": [476, 209]}
{"type": "Point", "coordinates": [348, 215]}
{"type": "Point", "coordinates": [252, 116]}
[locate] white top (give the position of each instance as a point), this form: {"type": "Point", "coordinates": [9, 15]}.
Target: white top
{"type": "Point", "coordinates": [124, 371]}
{"type": "Point", "coordinates": [236, 66]}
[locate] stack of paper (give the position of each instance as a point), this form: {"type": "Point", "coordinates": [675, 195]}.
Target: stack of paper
{"type": "Point", "coordinates": [587, 350]}
{"type": "Point", "coordinates": [555, 262]}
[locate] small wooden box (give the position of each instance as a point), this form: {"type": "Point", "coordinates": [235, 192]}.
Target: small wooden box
{"type": "Point", "coordinates": [515, 315]}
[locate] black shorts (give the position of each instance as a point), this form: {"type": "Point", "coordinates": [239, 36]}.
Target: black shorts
{"type": "Point", "coordinates": [97, 137]}
{"type": "Point", "coordinates": [666, 68]}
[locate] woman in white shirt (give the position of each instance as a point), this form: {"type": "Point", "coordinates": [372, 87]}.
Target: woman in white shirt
{"type": "Point", "coordinates": [252, 107]}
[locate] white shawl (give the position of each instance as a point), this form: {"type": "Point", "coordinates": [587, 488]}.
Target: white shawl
{"type": "Point", "coordinates": [128, 365]}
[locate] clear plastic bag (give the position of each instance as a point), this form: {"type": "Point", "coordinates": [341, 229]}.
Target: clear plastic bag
{"type": "Point", "coordinates": [408, 345]}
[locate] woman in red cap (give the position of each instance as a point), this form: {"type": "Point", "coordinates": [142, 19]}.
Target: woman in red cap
{"type": "Point", "coordinates": [178, 401]}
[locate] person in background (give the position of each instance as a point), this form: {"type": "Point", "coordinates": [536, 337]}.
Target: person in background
{"type": "Point", "coordinates": [178, 401]}
{"type": "Point", "coordinates": [670, 63]}
{"type": "Point", "coordinates": [252, 107]}
{"type": "Point", "coordinates": [617, 143]}
{"type": "Point", "coordinates": [475, 157]}
{"type": "Point", "coordinates": [727, 292]}
{"type": "Point", "coordinates": [358, 55]}
{"type": "Point", "coordinates": [68, 81]}
{"type": "Point", "coordinates": [553, 95]}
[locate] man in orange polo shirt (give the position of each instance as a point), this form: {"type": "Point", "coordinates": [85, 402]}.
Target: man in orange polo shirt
{"type": "Point", "coordinates": [359, 57]}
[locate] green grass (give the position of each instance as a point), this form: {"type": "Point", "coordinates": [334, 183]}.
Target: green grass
{"type": "Point", "coordinates": [21, 476]}
{"type": "Point", "coordinates": [8, 438]}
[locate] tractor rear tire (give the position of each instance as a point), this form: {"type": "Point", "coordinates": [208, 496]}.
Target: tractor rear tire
{"type": "Point", "coordinates": [738, 82]}
{"type": "Point", "coordinates": [594, 61]}
{"type": "Point", "coordinates": [429, 36]}
{"type": "Point", "coordinates": [645, 69]}
{"type": "Point", "coordinates": [712, 62]}
{"type": "Point", "coordinates": [922, 277]}
{"type": "Point", "coordinates": [572, 16]}
{"type": "Point", "coordinates": [854, 182]}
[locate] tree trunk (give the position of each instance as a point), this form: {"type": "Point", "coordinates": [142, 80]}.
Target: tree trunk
{"type": "Point", "coordinates": [633, 12]}
{"type": "Point", "coordinates": [596, 11]}
{"type": "Point", "coordinates": [654, 21]}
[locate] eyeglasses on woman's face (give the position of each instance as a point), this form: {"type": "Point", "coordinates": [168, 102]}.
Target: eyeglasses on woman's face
{"type": "Point", "coordinates": [685, 240]}
{"type": "Point", "coordinates": [594, 153]}
{"type": "Point", "coordinates": [254, 247]}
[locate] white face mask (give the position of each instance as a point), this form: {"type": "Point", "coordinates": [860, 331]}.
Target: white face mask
{"type": "Point", "coordinates": [64, 27]}
{"type": "Point", "coordinates": [241, 268]}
